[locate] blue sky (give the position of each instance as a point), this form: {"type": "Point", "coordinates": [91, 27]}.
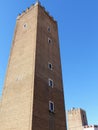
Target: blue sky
{"type": "Point", "coordinates": [78, 35]}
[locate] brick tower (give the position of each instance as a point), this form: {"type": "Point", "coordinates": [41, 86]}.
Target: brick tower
{"type": "Point", "coordinates": [33, 97]}
{"type": "Point", "coordinates": [77, 119]}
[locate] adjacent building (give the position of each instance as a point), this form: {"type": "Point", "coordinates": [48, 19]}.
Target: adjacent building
{"type": "Point", "coordinates": [33, 97]}
{"type": "Point", "coordinates": [77, 119]}
{"type": "Point", "coordinates": [91, 127]}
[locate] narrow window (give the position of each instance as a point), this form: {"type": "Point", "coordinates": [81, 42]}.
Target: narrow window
{"type": "Point", "coordinates": [50, 82]}
{"type": "Point", "coordinates": [25, 25]}
{"type": "Point", "coordinates": [49, 40]}
{"type": "Point", "coordinates": [48, 29]}
{"type": "Point", "coordinates": [51, 106]}
{"type": "Point", "coordinates": [50, 66]}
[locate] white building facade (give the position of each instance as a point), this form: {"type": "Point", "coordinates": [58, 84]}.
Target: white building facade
{"type": "Point", "coordinates": [91, 127]}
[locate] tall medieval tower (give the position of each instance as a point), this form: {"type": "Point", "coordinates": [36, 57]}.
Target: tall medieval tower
{"type": "Point", "coordinates": [33, 96]}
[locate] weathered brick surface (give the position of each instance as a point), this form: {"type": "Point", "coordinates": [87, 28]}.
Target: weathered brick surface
{"type": "Point", "coordinates": [17, 99]}
{"type": "Point", "coordinates": [26, 94]}
{"type": "Point", "coordinates": [76, 119]}
{"type": "Point", "coordinates": [48, 52]}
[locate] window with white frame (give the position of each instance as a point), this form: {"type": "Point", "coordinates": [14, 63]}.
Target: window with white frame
{"type": "Point", "coordinates": [50, 66]}
{"type": "Point", "coordinates": [49, 40]}
{"type": "Point", "coordinates": [25, 25]}
{"type": "Point", "coordinates": [51, 106]}
{"type": "Point", "coordinates": [50, 82]}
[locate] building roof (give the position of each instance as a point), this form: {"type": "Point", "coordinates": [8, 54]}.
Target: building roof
{"type": "Point", "coordinates": [91, 126]}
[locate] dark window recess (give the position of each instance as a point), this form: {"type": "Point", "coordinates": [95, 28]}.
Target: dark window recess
{"type": "Point", "coordinates": [50, 83]}
{"type": "Point", "coordinates": [49, 29]}
{"type": "Point", "coordinates": [25, 25]}
{"type": "Point", "coordinates": [50, 66]}
{"type": "Point", "coordinates": [51, 106]}
{"type": "Point", "coordinates": [49, 40]}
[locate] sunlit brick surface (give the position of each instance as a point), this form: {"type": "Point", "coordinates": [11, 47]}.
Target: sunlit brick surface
{"type": "Point", "coordinates": [26, 94]}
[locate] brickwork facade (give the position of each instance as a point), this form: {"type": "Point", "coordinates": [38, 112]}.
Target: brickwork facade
{"type": "Point", "coordinates": [33, 84]}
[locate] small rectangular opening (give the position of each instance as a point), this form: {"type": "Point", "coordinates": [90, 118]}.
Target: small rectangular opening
{"type": "Point", "coordinates": [50, 82]}
{"type": "Point", "coordinates": [50, 66]}
{"type": "Point", "coordinates": [51, 106]}
{"type": "Point", "coordinates": [49, 40]}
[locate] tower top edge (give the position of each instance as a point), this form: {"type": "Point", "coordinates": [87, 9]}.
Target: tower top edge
{"type": "Point", "coordinates": [31, 7]}
{"type": "Point", "coordinates": [76, 109]}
